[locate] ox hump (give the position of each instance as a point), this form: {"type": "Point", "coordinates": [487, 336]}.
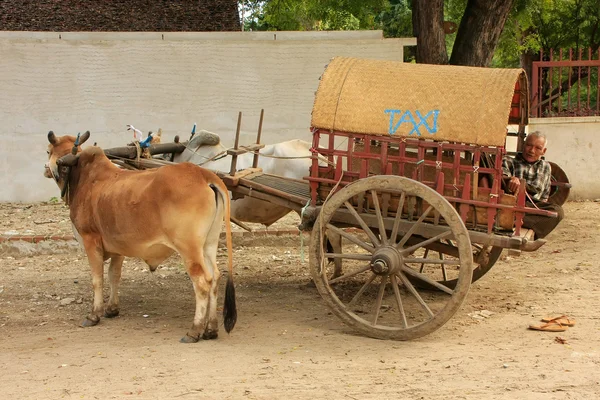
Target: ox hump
{"type": "Point", "coordinates": [93, 154]}
{"type": "Point", "coordinates": [93, 151]}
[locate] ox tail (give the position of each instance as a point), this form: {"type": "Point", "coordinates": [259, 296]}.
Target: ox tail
{"type": "Point", "coordinates": [229, 307]}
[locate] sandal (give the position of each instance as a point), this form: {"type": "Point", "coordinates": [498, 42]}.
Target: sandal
{"type": "Point", "coordinates": [562, 320]}
{"type": "Point", "coordinates": [553, 326]}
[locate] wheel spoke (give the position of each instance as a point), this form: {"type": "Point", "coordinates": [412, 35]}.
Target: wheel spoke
{"type": "Point", "coordinates": [382, 232]}
{"type": "Point", "coordinates": [362, 290]}
{"type": "Point", "coordinates": [423, 264]}
{"type": "Point", "coordinates": [414, 227]}
{"type": "Point", "coordinates": [362, 224]}
{"type": "Point", "coordinates": [379, 298]}
{"type": "Point", "coordinates": [444, 272]}
{"type": "Point", "coordinates": [424, 243]}
{"type": "Point", "coordinates": [426, 279]}
{"type": "Point", "coordinates": [348, 256]}
{"type": "Point", "coordinates": [399, 300]}
{"type": "Point", "coordinates": [436, 217]}
{"type": "Point", "coordinates": [350, 274]}
{"type": "Point", "coordinates": [414, 292]}
{"type": "Point", "coordinates": [354, 239]}
{"type": "Point", "coordinates": [398, 217]}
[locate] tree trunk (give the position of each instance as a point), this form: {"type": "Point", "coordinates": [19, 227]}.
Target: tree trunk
{"type": "Point", "coordinates": [428, 28]}
{"type": "Point", "coordinates": [479, 32]}
{"type": "Point", "coordinates": [526, 60]}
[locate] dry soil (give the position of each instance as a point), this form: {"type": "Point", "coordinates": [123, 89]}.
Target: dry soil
{"type": "Point", "coordinates": [287, 344]}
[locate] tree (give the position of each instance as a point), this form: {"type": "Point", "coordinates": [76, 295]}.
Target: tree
{"type": "Point", "coordinates": [477, 36]}
{"type": "Point", "coordinates": [479, 32]}
{"type": "Point", "coordinates": [481, 22]}
{"type": "Point", "coordinates": [428, 28]}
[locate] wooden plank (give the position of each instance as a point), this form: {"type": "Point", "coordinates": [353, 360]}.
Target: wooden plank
{"type": "Point", "coordinates": [245, 149]}
{"type": "Point", "coordinates": [232, 181]}
{"type": "Point", "coordinates": [300, 200]}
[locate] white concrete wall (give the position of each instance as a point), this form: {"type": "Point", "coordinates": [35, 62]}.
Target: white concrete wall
{"type": "Point", "coordinates": [71, 82]}
{"type": "Point", "coordinates": [573, 144]}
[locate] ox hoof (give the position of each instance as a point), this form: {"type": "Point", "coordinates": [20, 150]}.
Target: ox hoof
{"type": "Point", "coordinates": [111, 313]}
{"type": "Point", "coordinates": [90, 321]}
{"type": "Point", "coordinates": [208, 335]}
{"type": "Point", "coordinates": [189, 339]}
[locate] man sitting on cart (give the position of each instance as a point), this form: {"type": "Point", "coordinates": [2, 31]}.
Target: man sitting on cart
{"type": "Point", "coordinates": [536, 172]}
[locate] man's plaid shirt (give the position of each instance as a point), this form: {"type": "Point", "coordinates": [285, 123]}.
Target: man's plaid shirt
{"type": "Point", "coordinates": [536, 175]}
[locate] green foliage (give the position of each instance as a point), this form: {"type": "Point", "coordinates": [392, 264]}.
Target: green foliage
{"type": "Point", "coordinates": [548, 24]}
{"type": "Point", "coordinates": [396, 19]}
{"type": "Point", "coordinates": [303, 15]}
{"type": "Point", "coordinates": [338, 20]}
{"type": "Point", "coordinates": [53, 200]}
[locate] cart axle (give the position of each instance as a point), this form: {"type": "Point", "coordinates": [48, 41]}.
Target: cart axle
{"type": "Point", "coordinates": [386, 261]}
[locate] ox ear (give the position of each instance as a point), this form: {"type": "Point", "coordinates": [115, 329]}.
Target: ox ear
{"type": "Point", "coordinates": [52, 138]}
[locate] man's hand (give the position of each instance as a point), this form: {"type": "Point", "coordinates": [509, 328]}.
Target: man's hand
{"type": "Point", "coordinates": [513, 184]}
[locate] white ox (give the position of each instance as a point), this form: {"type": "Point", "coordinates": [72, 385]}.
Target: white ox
{"type": "Point", "coordinates": [290, 159]}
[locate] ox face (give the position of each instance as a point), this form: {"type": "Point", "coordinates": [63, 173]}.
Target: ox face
{"type": "Point", "coordinates": [58, 148]}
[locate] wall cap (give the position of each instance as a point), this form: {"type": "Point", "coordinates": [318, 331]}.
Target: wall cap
{"type": "Point", "coordinates": [564, 120]}
{"type": "Point", "coordinates": [232, 36]}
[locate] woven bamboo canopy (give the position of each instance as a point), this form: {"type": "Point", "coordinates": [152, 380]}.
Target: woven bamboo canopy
{"type": "Point", "coordinates": [438, 102]}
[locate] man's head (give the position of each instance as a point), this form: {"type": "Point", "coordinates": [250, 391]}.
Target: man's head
{"type": "Point", "coordinates": [535, 146]}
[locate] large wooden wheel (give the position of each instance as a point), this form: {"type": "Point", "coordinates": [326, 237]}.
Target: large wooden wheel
{"type": "Point", "coordinates": [559, 192]}
{"type": "Point", "coordinates": [394, 219]}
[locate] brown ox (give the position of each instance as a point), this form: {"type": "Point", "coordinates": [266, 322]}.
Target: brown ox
{"type": "Point", "coordinates": [146, 214]}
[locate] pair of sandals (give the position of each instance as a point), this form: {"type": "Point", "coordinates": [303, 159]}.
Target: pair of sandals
{"type": "Point", "coordinates": [556, 324]}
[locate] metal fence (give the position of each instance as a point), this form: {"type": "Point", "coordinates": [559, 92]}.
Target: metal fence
{"type": "Point", "coordinates": [566, 84]}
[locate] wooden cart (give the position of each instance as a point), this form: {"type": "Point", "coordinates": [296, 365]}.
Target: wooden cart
{"type": "Point", "coordinates": [406, 149]}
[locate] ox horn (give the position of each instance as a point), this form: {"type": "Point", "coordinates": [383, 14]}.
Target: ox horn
{"type": "Point", "coordinates": [79, 141]}
{"type": "Point", "coordinates": [69, 160]}
{"type": "Point", "coordinates": [52, 138]}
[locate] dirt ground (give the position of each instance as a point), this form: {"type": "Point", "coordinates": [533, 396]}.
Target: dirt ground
{"type": "Point", "coordinates": [286, 343]}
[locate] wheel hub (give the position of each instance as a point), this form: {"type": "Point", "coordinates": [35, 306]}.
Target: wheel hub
{"type": "Point", "coordinates": [386, 261]}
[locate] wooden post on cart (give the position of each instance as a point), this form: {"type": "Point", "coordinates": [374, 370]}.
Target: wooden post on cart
{"type": "Point", "coordinates": [260, 122]}
{"type": "Point", "coordinates": [521, 135]}
{"type": "Point", "coordinates": [234, 154]}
